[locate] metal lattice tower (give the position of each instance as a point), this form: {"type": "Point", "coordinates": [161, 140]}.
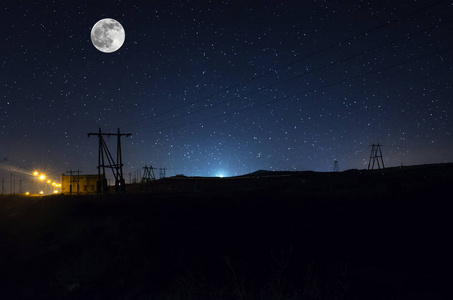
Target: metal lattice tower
{"type": "Point", "coordinates": [376, 157]}
{"type": "Point", "coordinates": [336, 168]}
{"type": "Point", "coordinates": [74, 179]}
{"type": "Point", "coordinates": [148, 174]}
{"type": "Point", "coordinates": [3, 180]}
{"type": "Point", "coordinates": [162, 173]}
{"type": "Point", "coordinates": [116, 166]}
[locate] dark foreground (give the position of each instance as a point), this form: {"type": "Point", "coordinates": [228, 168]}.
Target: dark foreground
{"type": "Point", "coordinates": [350, 235]}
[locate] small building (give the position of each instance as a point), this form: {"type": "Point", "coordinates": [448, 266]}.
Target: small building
{"type": "Point", "coordinates": [87, 184]}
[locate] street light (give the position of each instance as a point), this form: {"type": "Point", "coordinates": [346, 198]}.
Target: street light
{"type": "Point", "coordinates": [41, 177]}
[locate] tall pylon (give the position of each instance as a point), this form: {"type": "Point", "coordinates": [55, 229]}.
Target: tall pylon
{"type": "Point", "coordinates": [336, 168]}
{"type": "Point", "coordinates": [74, 179]}
{"type": "Point", "coordinates": [375, 156]}
{"type": "Point", "coordinates": [3, 180]}
{"type": "Point", "coordinates": [148, 174]}
{"type": "Point", "coordinates": [162, 173]}
{"type": "Point", "coordinates": [117, 167]}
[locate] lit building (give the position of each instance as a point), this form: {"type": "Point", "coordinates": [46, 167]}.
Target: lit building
{"type": "Point", "coordinates": [87, 184]}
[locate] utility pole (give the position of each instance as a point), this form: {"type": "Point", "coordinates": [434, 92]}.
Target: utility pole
{"type": "Point", "coordinates": [77, 179]}
{"type": "Point", "coordinates": [70, 181]}
{"type": "Point", "coordinates": [375, 155]}
{"type": "Point", "coordinates": [138, 177]}
{"type": "Point", "coordinates": [116, 166]}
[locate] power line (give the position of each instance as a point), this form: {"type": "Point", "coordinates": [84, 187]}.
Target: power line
{"type": "Point", "coordinates": [309, 91]}
{"type": "Point", "coordinates": [365, 33]}
{"type": "Point", "coordinates": [309, 72]}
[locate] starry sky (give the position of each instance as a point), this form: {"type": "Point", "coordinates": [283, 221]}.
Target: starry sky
{"type": "Point", "coordinates": [210, 88]}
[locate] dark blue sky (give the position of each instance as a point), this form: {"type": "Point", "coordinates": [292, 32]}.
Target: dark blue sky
{"type": "Point", "coordinates": [181, 57]}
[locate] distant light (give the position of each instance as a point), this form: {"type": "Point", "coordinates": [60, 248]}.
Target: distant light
{"type": "Point", "coordinates": [27, 193]}
{"type": "Point", "coordinates": [42, 177]}
{"type": "Point", "coordinates": [48, 181]}
{"type": "Point", "coordinates": [221, 175]}
{"type": "Point", "coordinates": [41, 192]}
{"type": "Point", "coordinates": [55, 192]}
{"type": "Point", "coordinates": [35, 173]}
{"type": "Point", "coordinates": [53, 183]}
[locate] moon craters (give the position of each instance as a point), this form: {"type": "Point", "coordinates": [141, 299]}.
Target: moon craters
{"type": "Point", "coordinates": [107, 35]}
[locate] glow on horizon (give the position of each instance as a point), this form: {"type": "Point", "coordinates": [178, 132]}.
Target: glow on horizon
{"type": "Point", "coordinates": [220, 174]}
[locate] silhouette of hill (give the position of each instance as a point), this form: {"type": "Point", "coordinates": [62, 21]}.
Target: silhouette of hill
{"type": "Point", "coordinates": [355, 234]}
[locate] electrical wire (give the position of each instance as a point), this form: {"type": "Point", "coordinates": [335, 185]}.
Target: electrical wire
{"type": "Point", "coordinates": [306, 73]}
{"type": "Point", "coordinates": [365, 33]}
{"type": "Point", "coordinates": [308, 91]}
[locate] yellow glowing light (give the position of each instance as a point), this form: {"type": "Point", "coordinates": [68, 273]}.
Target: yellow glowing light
{"type": "Point", "coordinates": [27, 193]}
{"type": "Point", "coordinates": [48, 181]}
{"type": "Point", "coordinates": [35, 173]}
{"type": "Point", "coordinates": [55, 192]}
{"type": "Point", "coordinates": [53, 183]}
{"type": "Point", "coordinates": [41, 192]}
{"type": "Point", "coordinates": [42, 177]}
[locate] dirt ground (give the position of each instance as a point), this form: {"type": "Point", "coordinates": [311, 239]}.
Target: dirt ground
{"type": "Point", "coordinates": [289, 235]}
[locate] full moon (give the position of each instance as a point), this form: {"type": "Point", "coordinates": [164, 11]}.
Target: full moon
{"type": "Point", "coordinates": [107, 35]}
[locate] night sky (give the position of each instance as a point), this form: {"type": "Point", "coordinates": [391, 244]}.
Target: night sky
{"type": "Point", "coordinates": [226, 87]}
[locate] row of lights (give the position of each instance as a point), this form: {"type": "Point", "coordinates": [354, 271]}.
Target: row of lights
{"type": "Point", "coordinates": [43, 177]}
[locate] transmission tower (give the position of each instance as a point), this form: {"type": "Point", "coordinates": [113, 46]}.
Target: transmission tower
{"type": "Point", "coordinates": [116, 166]}
{"type": "Point", "coordinates": [162, 172]}
{"type": "Point", "coordinates": [376, 157]}
{"type": "Point", "coordinates": [3, 180]}
{"type": "Point", "coordinates": [74, 179]}
{"type": "Point", "coordinates": [148, 174]}
{"type": "Point", "coordinates": [336, 168]}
